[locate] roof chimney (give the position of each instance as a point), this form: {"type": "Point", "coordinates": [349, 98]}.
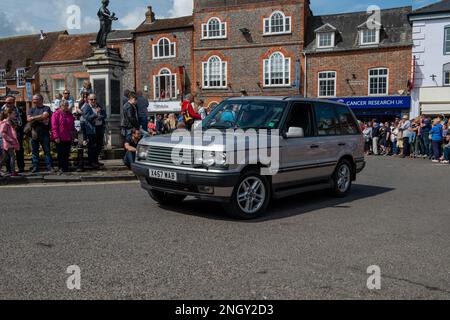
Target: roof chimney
{"type": "Point", "coordinates": [149, 15]}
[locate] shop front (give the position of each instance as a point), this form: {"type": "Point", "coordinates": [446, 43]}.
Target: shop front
{"type": "Point", "coordinates": [163, 107]}
{"type": "Point", "coordinates": [385, 108]}
{"type": "Point", "coordinates": [435, 101]}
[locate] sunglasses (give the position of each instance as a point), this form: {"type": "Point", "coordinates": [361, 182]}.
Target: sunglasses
{"type": "Point", "coordinates": [92, 99]}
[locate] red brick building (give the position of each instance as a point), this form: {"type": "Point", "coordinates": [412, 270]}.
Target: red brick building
{"type": "Point", "coordinates": [248, 47]}
{"type": "Point", "coordinates": [369, 69]}
{"type": "Point", "coordinates": [163, 58]}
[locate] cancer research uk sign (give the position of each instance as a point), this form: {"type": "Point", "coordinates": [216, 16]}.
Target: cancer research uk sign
{"type": "Point", "coordinates": [388, 102]}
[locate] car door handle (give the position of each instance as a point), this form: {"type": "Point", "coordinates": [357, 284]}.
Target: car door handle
{"type": "Point", "coordinates": [314, 146]}
{"type": "Point", "coordinates": [342, 144]}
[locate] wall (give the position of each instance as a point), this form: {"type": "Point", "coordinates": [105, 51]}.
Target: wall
{"type": "Point", "coordinates": [245, 54]}
{"type": "Point", "coordinates": [398, 60]}
{"type": "Point", "coordinates": [69, 73]}
{"type": "Point", "coordinates": [428, 36]}
{"type": "Point", "coordinates": [147, 66]}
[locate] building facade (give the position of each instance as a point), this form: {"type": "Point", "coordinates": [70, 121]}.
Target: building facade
{"type": "Point", "coordinates": [18, 70]}
{"type": "Point", "coordinates": [431, 54]}
{"type": "Point", "coordinates": [248, 47]}
{"type": "Point", "coordinates": [257, 47]}
{"type": "Point", "coordinates": [369, 68]}
{"type": "Point", "coordinates": [164, 61]}
{"type": "Point", "coordinates": [62, 67]}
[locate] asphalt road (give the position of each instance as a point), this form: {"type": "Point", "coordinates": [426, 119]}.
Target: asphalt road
{"type": "Point", "coordinates": [310, 246]}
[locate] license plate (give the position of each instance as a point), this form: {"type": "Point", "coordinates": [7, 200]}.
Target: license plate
{"type": "Point", "coordinates": [163, 175]}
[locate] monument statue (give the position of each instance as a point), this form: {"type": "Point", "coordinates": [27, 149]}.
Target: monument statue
{"type": "Point", "coordinates": [106, 19]}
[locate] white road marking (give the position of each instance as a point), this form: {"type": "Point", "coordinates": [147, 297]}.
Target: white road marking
{"type": "Point", "coordinates": [68, 184]}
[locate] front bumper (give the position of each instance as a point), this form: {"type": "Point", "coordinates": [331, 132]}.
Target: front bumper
{"type": "Point", "coordinates": [189, 182]}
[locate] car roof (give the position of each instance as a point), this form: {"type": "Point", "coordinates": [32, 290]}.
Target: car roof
{"type": "Point", "coordinates": [283, 98]}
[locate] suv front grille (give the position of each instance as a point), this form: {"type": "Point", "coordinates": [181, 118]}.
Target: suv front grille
{"type": "Point", "coordinates": [172, 185]}
{"type": "Point", "coordinates": [163, 155]}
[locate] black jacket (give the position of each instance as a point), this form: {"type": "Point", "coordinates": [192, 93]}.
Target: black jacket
{"type": "Point", "coordinates": [129, 117]}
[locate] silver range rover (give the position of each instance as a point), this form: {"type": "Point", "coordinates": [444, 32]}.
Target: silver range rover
{"type": "Point", "coordinates": [254, 149]}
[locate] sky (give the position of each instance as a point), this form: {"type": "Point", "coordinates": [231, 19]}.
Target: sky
{"type": "Point", "coordinates": [19, 17]}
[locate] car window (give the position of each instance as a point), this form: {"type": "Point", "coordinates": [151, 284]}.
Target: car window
{"type": "Point", "coordinates": [301, 117]}
{"type": "Point", "coordinates": [326, 118]}
{"type": "Point", "coordinates": [247, 114]}
{"type": "Point", "coordinates": [347, 121]}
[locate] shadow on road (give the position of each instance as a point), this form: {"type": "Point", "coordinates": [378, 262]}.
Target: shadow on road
{"type": "Point", "coordinates": [284, 208]}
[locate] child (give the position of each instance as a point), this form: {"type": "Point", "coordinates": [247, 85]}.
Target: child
{"type": "Point", "coordinates": [57, 103]}
{"type": "Point", "coordinates": [10, 142]}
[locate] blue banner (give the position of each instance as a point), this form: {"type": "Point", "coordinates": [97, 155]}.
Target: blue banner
{"type": "Point", "coordinates": [388, 102]}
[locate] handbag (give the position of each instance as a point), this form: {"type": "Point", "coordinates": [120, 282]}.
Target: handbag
{"type": "Point", "coordinates": [187, 117]}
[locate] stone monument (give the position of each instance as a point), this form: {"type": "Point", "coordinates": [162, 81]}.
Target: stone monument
{"type": "Point", "coordinates": [105, 68]}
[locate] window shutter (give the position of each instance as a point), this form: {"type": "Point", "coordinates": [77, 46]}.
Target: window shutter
{"type": "Point", "coordinates": [205, 74]}
{"type": "Point", "coordinates": [266, 72]}
{"type": "Point", "coordinates": [223, 29]}
{"type": "Point", "coordinates": [287, 70]}
{"type": "Point", "coordinates": [288, 24]}
{"type": "Point", "coordinates": [266, 26]}
{"type": "Point", "coordinates": [204, 31]}
{"type": "Point", "coordinates": [155, 51]}
{"type": "Point", "coordinates": [172, 49]}
{"type": "Point", "coordinates": [156, 86]}
{"type": "Point", "coordinates": [224, 74]}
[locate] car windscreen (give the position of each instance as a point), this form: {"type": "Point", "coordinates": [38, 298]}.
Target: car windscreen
{"type": "Point", "coordinates": [246, 114]}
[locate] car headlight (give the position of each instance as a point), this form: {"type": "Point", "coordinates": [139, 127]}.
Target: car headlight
{"type": "Point", "coordinates": [141, 153]}
{"type": "Point", "coordinates": [210, 158]}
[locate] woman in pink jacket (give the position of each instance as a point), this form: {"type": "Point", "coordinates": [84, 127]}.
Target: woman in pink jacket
{"type": "Point", "coordinates": [10, 142]}
{"type": "Point", "coordinates": [63, 129]}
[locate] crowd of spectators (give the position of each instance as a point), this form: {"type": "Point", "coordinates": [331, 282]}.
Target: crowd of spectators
{"type": "Point", "coordinates": [422, 137]}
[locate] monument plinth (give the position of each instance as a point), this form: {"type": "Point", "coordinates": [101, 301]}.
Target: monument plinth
{"type": "Point", "coordinates": [105, 68]}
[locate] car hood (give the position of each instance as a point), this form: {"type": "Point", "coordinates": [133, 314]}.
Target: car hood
{"type": "Point", "coordinates": [210, 140]}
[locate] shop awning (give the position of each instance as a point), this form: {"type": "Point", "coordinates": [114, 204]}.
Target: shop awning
{"type": "Point", "coordinates": [435, 108]}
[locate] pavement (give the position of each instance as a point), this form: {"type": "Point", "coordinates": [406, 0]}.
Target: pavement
{"type": "Point", "coordinates": [114, 170]}
{"type": "Point", "coordinates": [310, 246]}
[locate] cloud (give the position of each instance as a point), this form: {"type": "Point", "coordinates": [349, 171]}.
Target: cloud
{"type": "Point", "coordinates": [25, 28]}
{"type": "Point", "coordinates": [9, 26]}
{"type": "Point", "coordinates": [133, 18]}
{"type": "Point", "coordinates": [181, 8]}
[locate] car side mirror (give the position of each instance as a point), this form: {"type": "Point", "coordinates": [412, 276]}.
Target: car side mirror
{"type": "Point", "coordinates": [295, 132]}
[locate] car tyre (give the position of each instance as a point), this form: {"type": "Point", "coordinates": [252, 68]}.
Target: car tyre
{"type": "Point", "coordinates": [250, 197]}
{"type": "Point", "coordinates": [165, 198]}
{"type": "Point", "coordinates": [342, 179]}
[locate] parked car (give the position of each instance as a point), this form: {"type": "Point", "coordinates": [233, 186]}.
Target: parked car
{"type": "Point", "coordinates": [319, 146]}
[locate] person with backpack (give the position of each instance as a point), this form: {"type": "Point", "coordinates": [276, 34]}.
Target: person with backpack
{"type": "Point", "coordinates": [189, 114]}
